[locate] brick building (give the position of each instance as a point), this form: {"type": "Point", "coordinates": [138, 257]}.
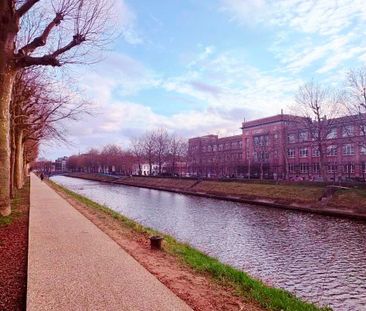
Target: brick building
{"type": "Point", "coordinates": [284, 146]}
{"type": "Point", "coordinates": [211, 156]}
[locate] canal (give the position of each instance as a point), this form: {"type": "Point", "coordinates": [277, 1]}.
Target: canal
{"type": "Point", "coordinates": [319, 258]}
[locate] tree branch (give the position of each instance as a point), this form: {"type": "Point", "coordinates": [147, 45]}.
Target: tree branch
{"type": "Point", "coordinates": [23, 61]}
{"type": "Point", "coordinates": [42, 39]}
{"type": "Point", "coordinates": [26, 7]}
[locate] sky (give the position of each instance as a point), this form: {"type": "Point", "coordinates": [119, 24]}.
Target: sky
{"type": "Point", "coordinates": [198, 67]}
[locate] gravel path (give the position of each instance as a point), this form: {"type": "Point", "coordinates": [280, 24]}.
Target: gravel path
{"type": "Point", "coordinates": [73, 265]}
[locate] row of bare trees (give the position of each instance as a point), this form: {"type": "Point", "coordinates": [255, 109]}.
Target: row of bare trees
{"type": "Point", "coordinates": [36, 33]}
{"type": "Point", "coordinates": [37, 108]}
{"type": "Point", "coordinates": [158, 147]}
{"type": "Point", "coordinates": [110, 159]}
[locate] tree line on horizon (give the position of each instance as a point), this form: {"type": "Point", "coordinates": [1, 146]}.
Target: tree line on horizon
{"type": "Point", "coordinates": [155, 148]}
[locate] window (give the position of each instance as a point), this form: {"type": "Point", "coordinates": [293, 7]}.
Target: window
{"type": "Point", "coordinates": [348, 149]}
{"type": "Point", "coordinates": [214, 147]}
{"type": "Point", "coordinates": [332, 133]}
{"type": "Point", "coordinates": [227, 146]}
{"type": "Point", "coordinates": [349, 168]}
{"type": "Point", "coordinates": [332, 168]}
{"type": "Point", "coordinates": [240, 144]}
{"type": "Point", "coordinates": [261, 156]}
{"type": "Point", "coordinates": [291, 168]}
{"type": "Point", "coordinates": [316, 167]}
{"type": "Point", "coordinates": [221, 147]}
{"type": "Point", "coordinates": [234, 145]}
{"type": "Point", "coordinates": [303, 152]}
{"type": "Point", "coordinates": [332, 150]}
{"type": "Point", "coordinates": [304, 168]}
{"type": "Point", "coordinates": [260, 140]}
{"type": "Point", "coordinates": [316, 152]}
{"type": "Point", "coordinates": [209, 148]}
{"type": "Point", "coordinates": [204, 149]}
{"type": "Point", "coordinates": [291, 153]}
{"type": "Point", "coordinates": [303, 136]}
{"type": "Point", "coordinates": [347, 131]}
{"type": "Point", "coordinates": [363, 130]}
{"type": "Point", "coordinates": [291, 138]}
{"type": "Point", "coordinates": [363, 150]}
{"type": "Point", "coordinates": [363, 167]}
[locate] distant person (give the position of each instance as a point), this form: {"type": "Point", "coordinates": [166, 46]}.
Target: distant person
{"type": "Point", "coordinates": [42, 176]}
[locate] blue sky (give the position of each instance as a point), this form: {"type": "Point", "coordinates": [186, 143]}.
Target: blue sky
{"type": "Point", "coordinates": [203, 66]}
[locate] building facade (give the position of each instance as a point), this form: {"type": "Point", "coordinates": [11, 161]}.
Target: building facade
{"type": "Point", "coordinates": [211, 156]}
{"type": "Point", "coordinates": [284, 147]}
{"type": "Point", "coordinates": [61, 164]}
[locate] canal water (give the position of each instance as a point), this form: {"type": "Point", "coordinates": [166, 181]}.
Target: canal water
{"type": "Point", "coordinates": [319, 258]}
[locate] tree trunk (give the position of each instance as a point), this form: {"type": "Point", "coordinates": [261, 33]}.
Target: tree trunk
{"type": "Point", "coordinates": [8, 30]}
{"type": "Point", "coordinates": [6, 80]}
{"type": "Point", "coordinates": [323, 169]}
{"type": "Point", "coordinates": [12, 161]}
{"type": "Point", "coordinates": [19, 156]}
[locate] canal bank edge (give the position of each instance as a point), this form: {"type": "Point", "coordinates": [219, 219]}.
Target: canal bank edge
{"type": "Point", "coordinates": [316, 207]}
{"type": "Point", "coordinates": [241, 283]}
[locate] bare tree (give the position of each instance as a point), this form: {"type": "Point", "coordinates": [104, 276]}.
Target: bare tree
{"type": "Point", "coordinates": [178, 149]}
{"type": "Point", "coordinates": [356, 101]}
{"type": "Point", "coordinates": [137, 149]}
{"type": "Point", "coordinates": [50, 33]}
{"type": "Point", "coordinates": [148, 141]}
{"type": "Point", "coordinates": [319, 109]}
{"type": "Point", "coordinates": [37, 109]}
{"type": "Point", "coordinates": [161, 146]}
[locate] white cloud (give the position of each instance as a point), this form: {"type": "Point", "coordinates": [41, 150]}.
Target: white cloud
{"type": "Point", "coordinates": [227, 80]}
{"type": "Point", "coordinates": [127, 22]}
{"type": "Point", "coordinates": [245, 11]}
{"type": "Point", "coordinates": [307, 32]}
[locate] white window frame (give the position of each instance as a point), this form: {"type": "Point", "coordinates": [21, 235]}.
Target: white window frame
{"type": "Point", "coordinates": [348, 149]}
{"type": "Point", "coordinates": [291, 138]}
{"type": "Point", "coordinates": [332, 133]}
{"type": "Point", "coordinates": [332, 150]}
{"type": "Point", "coordinates": [291, 154]}
{"type": "Point", "coordinates": [348, 131]}
{"type": "Point", "coordinates": [303, 152]}
{"type": "Point", "coordinates": [304, 168]}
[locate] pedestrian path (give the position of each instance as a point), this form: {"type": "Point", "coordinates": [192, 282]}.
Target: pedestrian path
{"type": "Point", "coordinates": [73, 265]}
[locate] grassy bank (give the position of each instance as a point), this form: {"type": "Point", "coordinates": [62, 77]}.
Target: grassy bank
{"type": "Point", "coordinates": [268, 297]}
{"type": "Point", "coordinates": [345, 201]}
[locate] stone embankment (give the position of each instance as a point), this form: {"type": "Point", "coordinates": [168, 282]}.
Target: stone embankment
{"type": "Point", "coordinates": [330, 200]}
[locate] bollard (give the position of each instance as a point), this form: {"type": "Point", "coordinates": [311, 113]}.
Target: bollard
{"type": "Point", "coordinates": [155, 242]}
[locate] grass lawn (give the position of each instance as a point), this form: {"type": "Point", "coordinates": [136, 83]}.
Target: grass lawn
{"type": "Point", "coordinates": [295, 193]}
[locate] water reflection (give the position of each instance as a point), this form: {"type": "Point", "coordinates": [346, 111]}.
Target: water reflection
{"type": "Point", "coordinates": [320, 258]}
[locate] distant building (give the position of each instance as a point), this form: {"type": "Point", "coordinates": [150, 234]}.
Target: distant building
{"type": "Point", "coordinates": [144, 169]}
{"type": "Point", "coordinates": [281, 147]}
{"type": "Point", "coordinates": [211, 156]}
{"type": "Point", "coordinates": [60, 164]}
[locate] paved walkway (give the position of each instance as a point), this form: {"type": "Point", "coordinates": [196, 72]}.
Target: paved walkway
{"type": "Point", "coordinates": [73, 265]}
